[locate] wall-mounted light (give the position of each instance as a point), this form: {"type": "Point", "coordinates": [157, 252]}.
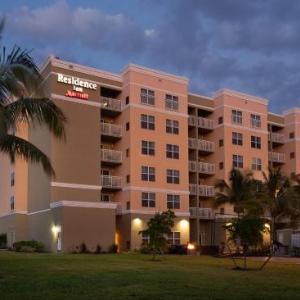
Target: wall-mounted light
{"type": "Point", "coordinates": [191, 246]}
{"type": "Point", "coordinates": [56, 229]}
{"type": "Point", "coordinates": [184, 225]}
{"type": "Point", "coordinates": [137, 223]}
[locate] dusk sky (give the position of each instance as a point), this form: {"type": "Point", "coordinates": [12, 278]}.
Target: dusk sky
{"type": "Point", "coordinates": [249, 46]}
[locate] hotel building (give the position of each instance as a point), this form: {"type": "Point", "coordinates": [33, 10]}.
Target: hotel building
{"type": "Point", "coordinates": [138, 143]}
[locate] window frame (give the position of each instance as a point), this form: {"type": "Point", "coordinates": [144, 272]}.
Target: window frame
{"type": "Point", "coordinates": [173, 176]}
{"type": "Point", "coordinates": [148, 199]}
{"type": "Point", "coordinates": [147, 122]}
{"type": "Point", "coordinates": [147, 173]}
{"type": "Point", "coordinates": [147, 96]}
{"type": "Point", "coordinates": [238, 162]}
{"type": "Point", "coordinates": [255, 142]}
{"type": "Point", "coordinates": [174, 238]}
{"type": "Point", "coordinates": [237, 138]}
{"type": "Point", "coordinates": [256, 164]}
{"type": "Point", "coordinates": [173, 201]}
{"type": "Point", "coordinates": [237, 116]}
{"type": "Point", "coordinates": [171, 102]}
{"type": "Point", "coordinates": [172, 127]}
{"type": "Point", "coordinates": [173, 151]}
{"type": "Point", "coordinates": [148, 147]}
{"type": "Point", "coordinates": [255, 121]}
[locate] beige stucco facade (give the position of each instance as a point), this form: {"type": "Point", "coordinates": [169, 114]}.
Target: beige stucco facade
{"type": "Point", "coordinates": [138, 143]}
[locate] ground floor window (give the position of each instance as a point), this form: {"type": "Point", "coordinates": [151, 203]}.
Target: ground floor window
{"type": "Point", "coordinates": [145, 238]}
{"type": "Point", "coordinates": [174, 238]}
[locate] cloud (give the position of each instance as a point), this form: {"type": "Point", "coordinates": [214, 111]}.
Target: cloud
{"type": "Point", "coordinates": [251, 46]}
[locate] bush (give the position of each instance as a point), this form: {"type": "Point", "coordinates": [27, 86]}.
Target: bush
{"type": "Point", "coordinates": [178, 249]}
{"type": "Point", "coordinates": [98, 249]}
{"type": "Point", "coordinates": [83, 248]}
{"type": "Point", "coordinates": [24, 246]}
{"type": "Point", "coordinates": [113, 248]}
{"type": "Point", "coordinates": [145, 250]}
{"type": "Point", "coordinates": [3, 241]}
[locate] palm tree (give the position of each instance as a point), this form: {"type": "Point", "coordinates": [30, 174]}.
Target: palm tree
{"type": "Point", "coordinates": [240, 192]}
{"type": "Point", "coordinates": [22, 102]}
{"type": "Point", "coordinates": [274, 197]}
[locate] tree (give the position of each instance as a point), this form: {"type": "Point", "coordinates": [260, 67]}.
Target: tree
{"type": "Point", "coordinates": [158, 228]}
{"type": "Point", "coordinates": [246, 231]}
{"type": "Point", "coordinates": [240, 192]}
{"type": "Point", "coordinates": [22, 102]}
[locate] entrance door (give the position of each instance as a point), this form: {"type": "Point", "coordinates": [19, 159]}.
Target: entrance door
{"type": "Point", "coordinates": [59, 241]}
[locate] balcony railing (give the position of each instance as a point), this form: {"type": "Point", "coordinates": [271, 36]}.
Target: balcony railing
{"type": "Point", "coordinates": [202, 145]}
{"type": "Point", "coordinates": [202, 213]}
{"type": "Point", "coordinates": [202, 167]}
{"type": "Point", "coordinates": [277, 157]}
{"type": "Point", "coordinates": [111, 156]}
{"type": "Point", "coordinates": [203, 190]}
{"type": "Point", "coordinates": [111, 182]}
{"type": "Point", "coordinates": [276, 137]}
{"type": "Point", "coordinates": [201, 122]}
{"type": "Point", "coordinates": [111, 104]}
{"type": "Point", "coordinates": [111, 130]}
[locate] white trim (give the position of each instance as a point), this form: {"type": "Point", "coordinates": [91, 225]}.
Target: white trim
{"type": "Point", "coordinates": [254, 130]}
{"type": "Point", "coordinates": [211, 109]}
{"type": "Point", "coordinates": [79, 68]}
{"type": "Point", "coordinates": [241, 109]}
{"type": "Point", "coordinates": [276, 124]}
{"type": "Point", "coordinates": [79, 101]}
{"type": "Point", "coordinates": [274, 114]}
{"type": "Point", "coordinates": [82, 204]}
{"type": "Point", "coordinates": [151, 212]}
{"type": "Point", "coordinates": [76, 186]}
{"type": "Point", "coordinates": [155, 109]}
{"type": "Point", "coordinates": [201, 96]}
{"type": "Point", "coordinates": [18, 212]}
{"type": "Point", "coordinates": [38, 211]}
{"type": "Point", "coordinates": [240, 95]}
{"type": "Point", "coordinates": [158, 190]}
{"type": "Point", "coordinates": [154, 88]}
{"type": "Point", "coordinates": [153, 72]}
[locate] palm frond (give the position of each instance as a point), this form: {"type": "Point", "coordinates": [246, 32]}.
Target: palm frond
{"type": "Point", "coordinates": [16, 146]}
{"type": "Point", "coordinates": [40, 110]}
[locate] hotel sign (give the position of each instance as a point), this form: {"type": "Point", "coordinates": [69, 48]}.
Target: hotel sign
{"type": "Point", "coordinates": [78, 85]}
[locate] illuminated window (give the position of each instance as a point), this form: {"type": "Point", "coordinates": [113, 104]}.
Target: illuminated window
{"type": "Point", "coordinates": [256, 164]}
{"type": "Point", "coordinates": [147, 97]}
{"type": "Point", "coordinates": [174, 238]}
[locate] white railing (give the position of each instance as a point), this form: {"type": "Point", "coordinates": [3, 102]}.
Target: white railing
{"type": "Point", "coordinates": [193, 189]}
{"type": "Point", "coordinates": [204, 145]}
{"type": "Point", "coordinates": [109, 155]}
{"type": "Point", "coordinates": [114, 182]}
{"type": "Point", "coordinates": [277, 157]}
{"type": "Point", "coordinates": [206, 168]}
{"type": "Point", "coordinates": [201, 122]}
{"type": "Point", "coordinates": [202, 213]}
{"type": "Point", "coordinates": [276, 137]}
{"type": "Point", "coordinates": [111, 129]}
{"type": "Point", "coordinates": [192, 143]}
{"type": "Point", "coordinates": [111, 104]}
{"type": "Point", "coordinates": [192, 166]}
{"type": "Point", "coordinates": [206, 190]}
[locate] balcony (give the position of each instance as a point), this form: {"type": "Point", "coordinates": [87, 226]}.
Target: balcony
{"type": "Point", "coordinates": [203, 123]}
{"type": "Point", "coordinates": [202, 145]}
{"type": "Point", "coordinates": [111, 157]}
{"type": "Point", "coordinates": [203, 190]}
{"type": "Point", "coordinates": [276, 138]}
{"type": "Point", "coordinates": [110, 132]}
{"type": "Point", "coordinates": [202, 213]}
{"type": "Point", "coordinates": [277, 157]}
{"type": "Point", "coordinates": [112, 183]}
{"type": "Point", "coordinates": [110, 106]}
{"type": "Point", "coordinates": [202, 168]}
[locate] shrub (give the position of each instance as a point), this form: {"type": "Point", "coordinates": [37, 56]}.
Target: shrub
{"type": "Point", "coordinates": [98, 249]}
{"type": "Point", "coordinates": [3, 241]}
{"type": "Point", "coordinates": [178, 249]}
{"type": "Point", "coordinates": [113, 248]}
{"type": "Point", "coordinates": [83, 248]}
{"type": "Point", "coordinates": [145, 250]}
{"type": "Point", "coordinates": [26, 245]}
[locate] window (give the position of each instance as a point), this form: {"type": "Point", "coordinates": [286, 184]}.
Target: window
{"type": "Point", "coordinates": [222, 211]}
{"type": "Point", "coordinates": [147, 97]}
{"type": "Point", "coordinates": [237, 161]}
{"type": "Point", "coordinates": [145, 238]}
{"type": "Point", "coordinates": [221, 143]}
{"type": "Point", "coordinates": [148, 148]}
{"type": "Point", "coordinates": [237, 116]}
{"type": "Point", "coordinates": [172, 126]}
{"type": "Point", "coordinates": [171, 102]}
{"type": "Point", "coordinates": [237, 138]}
{"type": "Point", "coordinates": [127, 126]}
{"type": "Point", "coordinates": [148, 199]}
{"type": "Point", "coordinates": [127, 178]}
{"type": "Point", "coordinates": [127, 205]}
{"type": "Point", "coordinates": [127, 152]}
{"type": "Point", "coordinates": [147, 122]}
{"type": "Point", "coordinates": [292, 135]}
{"type": "Point", "coordinates": [106, 198]}
{"type": "Point", "coordinates": [172, 151]}
{"type": "Point", "coordinates": [221, 165]}
{"type": "Point", "coordinates": [174, 238]}
{"type": "Point", "coordinates": [172, 176]}
{"type": "Point", "coordinates": [12, 179]}
{"type": "Point", "coordinates": [127, 100]}
{"type": "Point", "coordinates": [255, 121]}
{"type": "Point", "coordinates": [256, 164]}
{"type": "Point", "coordinates": [220, 120]}
{"type": "Point", "coordinates": [173, 201]}
{"type": "Point", "coordinates": [12, 203]}
{"type": "Point", "coordinates": [148, 173]}
{"type": "Point", "coordinates": [292, 155]}
{"type": "Point", "coordinates": [255, 142]}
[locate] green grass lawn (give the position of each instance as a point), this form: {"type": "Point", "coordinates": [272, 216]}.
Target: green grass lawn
{"type": "Point", "coordinates": [134, 276]}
